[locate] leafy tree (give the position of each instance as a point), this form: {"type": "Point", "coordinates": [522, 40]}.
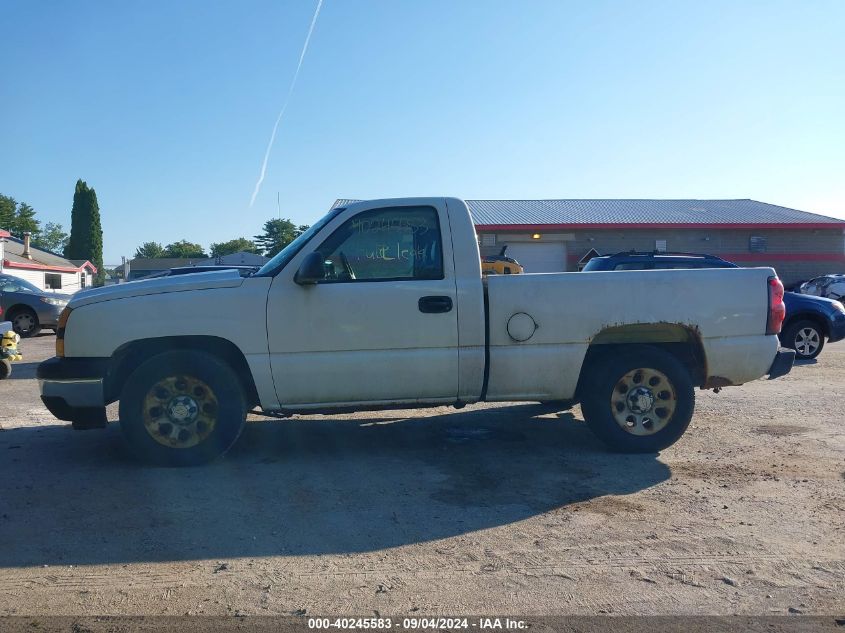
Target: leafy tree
{"type": "Point", "coordinates": [184, 248]}
{"type": "Point", "coordinates": [277, 234]}
{"type": "Point", "coordinates": [234, 246]}
{"type": "Point", "coordinates": [52, 238]}
{"type": "Point", "coordinates": [150, 250]}
{"type": "Point", "coordinates": [25, 222]}
{"type": "Point", "coordinates": [8, 210]}
{"type": "Point", "coordinates": [86, 232]}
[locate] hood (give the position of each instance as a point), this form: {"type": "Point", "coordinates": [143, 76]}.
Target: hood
{"type": "Point", "coordinates": [176, 283]}
{"type": "Point", "coordinates": [56, 295]}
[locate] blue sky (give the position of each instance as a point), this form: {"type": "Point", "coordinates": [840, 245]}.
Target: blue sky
{"type": "Point", "coordinates": [165, 108]}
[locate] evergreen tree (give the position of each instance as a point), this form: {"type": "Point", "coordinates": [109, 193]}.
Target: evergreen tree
{"type": "Point", "coordinates": [77, 244]}
{"type": "Point", "coordinates": [25, 222]}
{"type": "Point", "coordinates": [86, 232]}
{"type": "Point", "coordinates": [96, 240]}
{"type": "Point", "coordinates": [8, 210]}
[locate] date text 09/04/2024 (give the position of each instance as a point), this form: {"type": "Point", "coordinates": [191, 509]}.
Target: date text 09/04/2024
{"type": "Point", "coordinates": [421, 623]}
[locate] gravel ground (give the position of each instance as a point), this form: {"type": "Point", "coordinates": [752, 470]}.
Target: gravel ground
{"type": "Point", "coordinates": [507, 509]}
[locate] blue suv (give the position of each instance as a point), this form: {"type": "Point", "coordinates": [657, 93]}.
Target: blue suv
{"type": "Point", "coordinates": [809, 320]}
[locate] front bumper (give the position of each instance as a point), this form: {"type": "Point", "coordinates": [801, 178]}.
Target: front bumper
{"type": "Point", "coordinates": [782, 364]}
{"type": "Point", "coordinates": [836, 328]}
{"type": "Point", "coordinates": [48, 315]}
{"type": "Point", "coordinates": [70, 384]}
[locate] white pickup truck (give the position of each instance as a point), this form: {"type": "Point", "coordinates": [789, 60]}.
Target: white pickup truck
{"type": "Point", "coordinates": [382, 304]}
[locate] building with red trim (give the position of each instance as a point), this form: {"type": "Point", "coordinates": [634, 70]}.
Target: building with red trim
{"type": "Point", "coordinates": [42, 268]}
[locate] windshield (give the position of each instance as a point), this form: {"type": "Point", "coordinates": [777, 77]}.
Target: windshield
{"type": "Point", "coordinates": [593, 264]}
{"type": "Point", "coordinates": [281, 259]}
{"type": "Point", "coordinates": [17, 285]}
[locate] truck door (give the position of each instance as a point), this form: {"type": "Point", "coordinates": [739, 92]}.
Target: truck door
{"type": "Point", "coordinates": [382, 326]}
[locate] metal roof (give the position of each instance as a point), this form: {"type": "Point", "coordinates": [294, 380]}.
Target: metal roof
{"type": "Point", "coordinates": [596, 213]}
{"type": "Point", "coordinates": [40, 257]}
{"type": "Point", "coordinates": [166, 263]}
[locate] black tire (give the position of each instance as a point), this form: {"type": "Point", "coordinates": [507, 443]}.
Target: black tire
{"type": "Point", "coordinates": [611, 382]}
{"type": "Point", "coordinates": [218, 417]}
{"type": "Point", "coordinates": [88, 418]}
{"type": "Point", "coordinates": [5, 368]}
{"type": "Point", "coordinates": [25, 322]}
{"type": "Point", "coordinates": [805, 337]}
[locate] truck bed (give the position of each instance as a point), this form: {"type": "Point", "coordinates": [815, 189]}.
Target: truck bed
{"type": "Point", "coordinates": [722, 310]}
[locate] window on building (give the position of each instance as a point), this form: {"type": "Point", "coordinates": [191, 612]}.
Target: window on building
{"type": "Point", "coordinates": [52, 281]}
{"type": "Point", "coordinates": [757, 244]}
{"type": "Point", "coordinates": [660, 246]}
{"type": "Point", "coordinates": [82, 280]}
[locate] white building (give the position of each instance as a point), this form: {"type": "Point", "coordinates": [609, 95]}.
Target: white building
{"type": "Point", "coordinates": [42, 268]}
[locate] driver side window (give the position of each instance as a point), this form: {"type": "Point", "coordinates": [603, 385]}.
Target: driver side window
{"type": "Point", "coordinates": [400, 243]}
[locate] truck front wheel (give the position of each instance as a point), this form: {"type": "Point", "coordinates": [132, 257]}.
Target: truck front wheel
{"type": "Point", "coordinates": [182, 408]}
{"type": "Point", "coordinates": [640, 400]}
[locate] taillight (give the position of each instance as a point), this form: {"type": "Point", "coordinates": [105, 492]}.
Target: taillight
{"type": "Point", "coordinates": [777, 308]}
{"type": "Point", "coordinates": [60, 332]}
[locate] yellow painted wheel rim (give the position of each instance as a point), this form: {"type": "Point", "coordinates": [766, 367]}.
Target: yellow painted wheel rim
{"type": "Point", "coordinates": [180, 411]}
{"type": "Point", "coordinates": [643, 401]}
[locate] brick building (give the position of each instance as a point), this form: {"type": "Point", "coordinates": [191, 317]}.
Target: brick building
{"type": "Point", "coordinates": [554, 235]}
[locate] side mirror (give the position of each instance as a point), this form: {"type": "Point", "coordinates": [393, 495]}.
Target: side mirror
{"type": "Point", "coordinates": [312, 270]}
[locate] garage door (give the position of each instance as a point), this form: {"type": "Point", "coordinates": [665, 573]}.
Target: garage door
{"type": "Point", "coordinates": [539, 257]}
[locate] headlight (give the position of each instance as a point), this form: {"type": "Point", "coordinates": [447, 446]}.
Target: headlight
{"type": "Point", "coordinates": [837, 305]}
{"type": "Point", "coordinates": [54, 302]}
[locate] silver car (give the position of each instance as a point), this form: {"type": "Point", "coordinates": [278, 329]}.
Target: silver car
{"type": "Point", "coordinates": [828, 286]}
{"type": "Point", "coordinates": [28, 307]}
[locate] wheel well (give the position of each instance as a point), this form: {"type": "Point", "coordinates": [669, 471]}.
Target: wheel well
{"type": "Point", "coordinates": [804, 316]}
{"type": "Point", "coordinates": [20, 307]}
{"type": "Point", "coordinates": [127, 357]}
{"type": "Point", "coordinates": [683, 342]}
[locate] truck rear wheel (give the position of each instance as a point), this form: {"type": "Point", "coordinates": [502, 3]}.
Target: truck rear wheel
{"type": "Point", "coordinates": [182, 408]}
{"type": "Point", "coordinates": [638, 401]}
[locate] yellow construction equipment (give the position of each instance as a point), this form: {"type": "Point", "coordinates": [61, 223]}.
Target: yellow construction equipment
{"type": "Point", "coordinates": [500, 264]}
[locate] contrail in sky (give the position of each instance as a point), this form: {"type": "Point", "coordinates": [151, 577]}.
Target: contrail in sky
{"type": "Point", "coordinates": [285, 105]}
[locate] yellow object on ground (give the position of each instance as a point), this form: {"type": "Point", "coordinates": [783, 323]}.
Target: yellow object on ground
{"type": "Point", "coordinates": [9, 346]}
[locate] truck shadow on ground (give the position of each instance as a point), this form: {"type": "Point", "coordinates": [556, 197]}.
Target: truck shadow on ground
{"type": "Point", "coordinates": [301, 487]}
{"type": "Point", "coordinates": [22, 370]}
